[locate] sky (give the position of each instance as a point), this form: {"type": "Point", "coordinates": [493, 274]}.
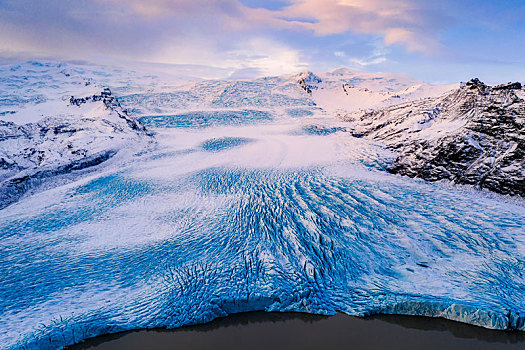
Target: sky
{"type": "Point", "coordinates": [439, 41]}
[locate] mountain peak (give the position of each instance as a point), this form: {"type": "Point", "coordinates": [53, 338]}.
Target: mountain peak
{"type": "Point", "coordinates": [474, 82]}
{"type": "Point", "coordinates": [308, 76]}
{"type": "Point", "coordinates": [308, 81]}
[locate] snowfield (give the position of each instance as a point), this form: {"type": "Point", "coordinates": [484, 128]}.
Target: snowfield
{"type": "Point", "coordinates": [51, 130]}
{"type": "Point", "coordinates": [221, 197]}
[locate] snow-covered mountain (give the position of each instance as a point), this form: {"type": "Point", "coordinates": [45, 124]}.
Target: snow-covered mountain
{"type": "Point", "coordinates": [343, 91]}
{"type": "Point", "coordinates": [469, 135]}
{"type": "Point", "coordinates": [338, 91]}
{"type": "Point", "coordinates": [473, 135]}
{"type": "Point", "coordinates": [53, 122]}
{"type": "Point", "coordinates": [438, 131]}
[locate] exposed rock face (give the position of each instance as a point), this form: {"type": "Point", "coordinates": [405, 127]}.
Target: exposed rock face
{"type": "Point", "coordinates": [308, 81]}
{"type": "Point", "coordinates": [474, 135]}
{"type": "Point", "coordinates": [94, 130]}
{"type": "Point", "coordinates": [111, 104]}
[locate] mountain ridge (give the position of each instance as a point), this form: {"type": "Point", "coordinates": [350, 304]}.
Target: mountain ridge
{"type": "Point", "coordinates": [416, 120]}
{"type": "Point", "coordinates": [475, 135]}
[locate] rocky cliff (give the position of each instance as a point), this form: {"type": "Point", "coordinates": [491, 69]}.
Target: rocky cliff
{"type": "Point", "coordinates": [93, 130]}
{"type": "Point", "coordinates": [474, 135]}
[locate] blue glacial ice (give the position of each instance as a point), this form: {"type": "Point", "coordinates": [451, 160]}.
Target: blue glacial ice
{"type": "Point", "coordinates": [207, 118]}
{"type": "Point", "coordinates": [257, 216]}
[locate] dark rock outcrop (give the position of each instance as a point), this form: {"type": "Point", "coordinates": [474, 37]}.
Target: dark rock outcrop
{"type": "Point", "coordinates": [508, 86]}
{"type": "Point", "coordinates": [474, 135]}
{"type": "Point", "coordinates": [308, 81]}
{"type": "Point", "coordinates": [12, 189]}
{"type": "Point", "coordinates": [31, 154]}
{"type": "Point", "coordinates": [111, 102]}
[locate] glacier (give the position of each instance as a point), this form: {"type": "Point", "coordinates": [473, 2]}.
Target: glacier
{"type": "Point", "coordinates": [277, 208]}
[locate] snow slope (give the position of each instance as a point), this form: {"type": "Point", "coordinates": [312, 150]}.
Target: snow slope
{"type": "Point", "coordinates": [342, 91]}
{"type": "Point", "coordinates": [331, 92]}
{"type": "Point", "coordinates": [473, 135]}
{"type": "Point", "coordinates": [55, 121]}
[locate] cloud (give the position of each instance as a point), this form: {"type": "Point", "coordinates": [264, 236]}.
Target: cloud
{"type": "Point", "coordinates": [256, 55]}
{"type": "Point", "coordinates": [221, 33]}
{"type": "Point", "coordinates": [367, 62]}
{"type": "Point", "coordinates": [229, 14]}
{"type": "Point", "coordinates": [407, 22]}
{"type": "Point", "coordinates": [378, 56]}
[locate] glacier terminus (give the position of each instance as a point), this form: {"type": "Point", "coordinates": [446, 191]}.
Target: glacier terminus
{"type": "Point", "coordinates": [135, 201]}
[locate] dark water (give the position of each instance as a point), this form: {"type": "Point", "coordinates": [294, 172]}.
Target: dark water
{"type": "Point", "coordinates": [260, 330]}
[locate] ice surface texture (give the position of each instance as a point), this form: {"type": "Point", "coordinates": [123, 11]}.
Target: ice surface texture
{"type": "Point", "coordinates": [182, 236]}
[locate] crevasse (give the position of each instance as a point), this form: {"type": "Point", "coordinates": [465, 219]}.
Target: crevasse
{"type": "Point", "coordinates": [286, 221]}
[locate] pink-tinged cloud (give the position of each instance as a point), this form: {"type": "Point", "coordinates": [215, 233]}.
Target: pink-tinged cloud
{"type": "Point", "coordinates": [223, 15]}
{"type": "Point", "coordinates": [207, 32]}
{"type": "Point", "coordinates": [405, 22]}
